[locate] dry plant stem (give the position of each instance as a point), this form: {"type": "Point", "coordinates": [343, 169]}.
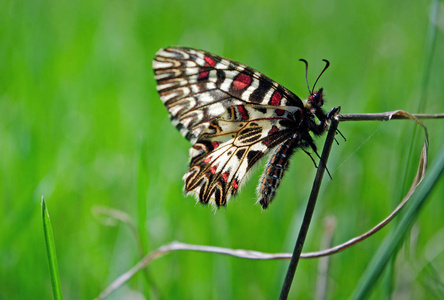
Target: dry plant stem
{"type": "Point", "coordinates": [420, 172]}
{"type": "Point", "coordinates": [176, 246]}
{"type": "Point", "coordinates": [256, 255]}
{"type": "Point", "coordinates": [309, 210]}
{"type": "Point", "coordinates": [385, 116]}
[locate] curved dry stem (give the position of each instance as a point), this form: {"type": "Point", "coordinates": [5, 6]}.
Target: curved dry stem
{"type": "Point", "coordinates": [256, 255]}
{"type": "Point", "coordinates": [176, 246]}
{"type": "Point", "coordinates": [420, 173]}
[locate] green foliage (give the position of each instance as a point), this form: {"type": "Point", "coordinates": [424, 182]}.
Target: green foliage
{"type": "Point", "coordinates": [51, 253]}
{"type": "Point", "coordinates": [393, 242]}
{"type": "Point", "coordinates": [82, 124]}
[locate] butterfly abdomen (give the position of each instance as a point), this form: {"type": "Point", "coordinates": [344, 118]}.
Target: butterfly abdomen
{"type": "Point", "coordinates": [275, 169]}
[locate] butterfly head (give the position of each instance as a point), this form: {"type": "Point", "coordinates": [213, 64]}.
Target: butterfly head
{"type": "Point", "coordinates": [316, 99]}
{"type": "Point", "coordinates": [314, 103]}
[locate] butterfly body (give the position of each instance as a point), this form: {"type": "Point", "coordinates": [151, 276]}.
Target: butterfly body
{"type": "Point", "coordinates": [233, 116]}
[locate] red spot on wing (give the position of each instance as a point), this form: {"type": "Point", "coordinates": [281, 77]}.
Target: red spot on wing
{"type": "Point", "coordinates": [215, 144]}
{"type": "Point", "coordinates": [211, 62]}
{"type": "Point", "coordinates": [235, 184]}
{"type": "Point", "coordinates": [213, 169]}
{"type": "Point", "coordinates": [276, 98]}
{"type": "Point", "coordinates": [203, 74]}
{"type": "Point", "coordinates": [243, 113]}
{"type": "Point", "coordinates": [225, 176]}
{"type": "Point", "coordinates": [241, 82]}
{"type": "Point", "coordinates": [207, 160]}
{"type": "Point", "coordinates": [279, 112]}
{"type": "Point", "coordinates": [273, 130]}
{"type": "Point", "coordinates": [267, 141]}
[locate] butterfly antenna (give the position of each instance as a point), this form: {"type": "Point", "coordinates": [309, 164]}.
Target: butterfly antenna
{"type": "Point", "coordinates": [306, 74]}
{"type": "Point", "coordinates": [327, 64]}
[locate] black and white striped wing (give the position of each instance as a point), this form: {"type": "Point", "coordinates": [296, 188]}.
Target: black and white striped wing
{"type": "Point", "coordinates": [232, 114]}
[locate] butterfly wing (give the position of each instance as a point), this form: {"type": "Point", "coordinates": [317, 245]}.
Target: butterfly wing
{"type": "Point", "coordinates": [232, 114]}
{"type": "Point", "coordinates": [226, 152]}
{"type": "Point", "coordinates": [197, 87]}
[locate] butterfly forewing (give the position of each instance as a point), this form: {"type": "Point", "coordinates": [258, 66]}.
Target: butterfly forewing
{"type": "Point", "coordinates": [197, 86]}
{"type": "Point", "coordinates": [233, 116]}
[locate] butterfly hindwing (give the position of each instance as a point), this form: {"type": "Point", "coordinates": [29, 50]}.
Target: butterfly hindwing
{"type": "Point", "coordinates": [226, 152]}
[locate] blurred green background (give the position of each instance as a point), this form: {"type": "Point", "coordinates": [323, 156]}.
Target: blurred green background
{"type": "Point", "coordinates": [82, 124]}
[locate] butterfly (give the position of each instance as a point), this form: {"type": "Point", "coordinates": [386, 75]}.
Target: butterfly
{"type": "Point", "coordinates": [233, 115]}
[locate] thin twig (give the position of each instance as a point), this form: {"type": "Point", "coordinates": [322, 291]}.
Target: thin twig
{"type": "Point", "coordinates": [385, 116]}
{"type": "Point", "coordinates": [309, 210]}
{"type": "Point", "coordinates": [176, 246]}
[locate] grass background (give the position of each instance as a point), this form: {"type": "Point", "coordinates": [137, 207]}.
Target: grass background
{"type": "Point", "coordinates": [82, 124]}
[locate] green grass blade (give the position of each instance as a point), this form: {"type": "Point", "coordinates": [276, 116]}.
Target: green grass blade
{"type": "Point", "coordinates": [422, 104]}
{"type": "Point", "coordinates": [51, 253]}
{"type": "Point", "coordinates": [393, 241]}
